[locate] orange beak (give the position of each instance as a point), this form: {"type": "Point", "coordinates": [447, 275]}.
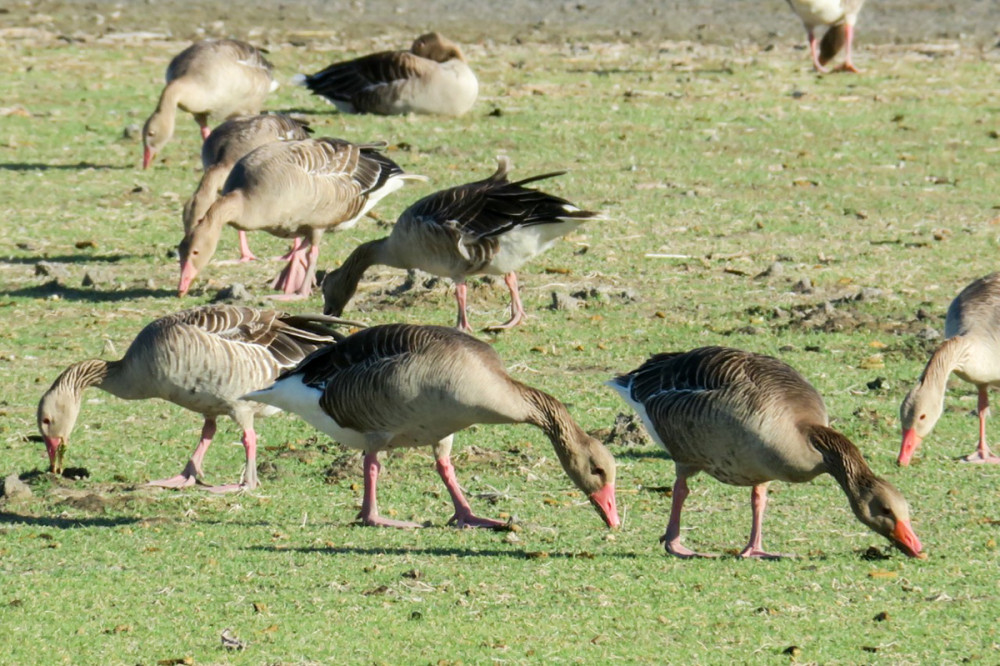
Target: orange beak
{"type": "Point", "coordinates": [55, 446]}
{"type": "Point", "coordinates": [604, 500]}
{"type": "Point", "coordinates": [905, 539]}
{"type": "Point", "coordinates": [911, 440]}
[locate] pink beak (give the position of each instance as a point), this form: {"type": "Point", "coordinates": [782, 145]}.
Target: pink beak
{"type": "Point", "coordinates": [911, 440]}
{"type": "Point", "coordinates": [147, 157]}
{"type": "Point", "coordinates": [54, 447]}
{"type": "Point", "coordinates": [188, 274]}
{"type": "Point", "coordinates": [905, 539]}
{"type": "Point", "coordinates": [604, 500]}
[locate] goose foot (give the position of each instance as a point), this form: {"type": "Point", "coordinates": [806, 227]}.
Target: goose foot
{"type": "Point", "coordinates": [674, 547]}
{"type": "Point", "coordinates": [379, 521]}
{"type": "Point", "coordinates": [762, 554]}
{"type": "Point", "coordinates": [463, 520]}
{"type": "Point", "coordinates": [175, 482]}
{"type": "Point", "coordinates": [228, 488]}
{"type": "Point", "coordinates": [980, 458]}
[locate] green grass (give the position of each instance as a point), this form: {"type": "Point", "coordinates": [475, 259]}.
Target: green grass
{"type": "Point", "coordinates": [727, 159]}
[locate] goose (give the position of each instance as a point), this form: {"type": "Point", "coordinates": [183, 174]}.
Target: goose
{"type": "Point", "coordinates": [202, 359]}
{"type": "Point", "coordinates": [401, 385]}
{"type": "Point", "coordinates": [491, 226]}
{"type": "Point", "coordinates": [213, 77]}
{"type": "Point", "coordinates": [841, 16]}
{"type": "Point", "coordinates": [294, 189]}
{"type": "Point", "coordinates": [972, 351]}
{"type": "Point", "coordinates": [748, 419]}
{"type": "Point", "coordinates": [225, 146]}
{"type": "Point", "coordinates": [432, 77]}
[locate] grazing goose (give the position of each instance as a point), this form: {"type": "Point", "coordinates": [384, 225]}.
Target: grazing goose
{"type": "Point", "coordinates": [840, 15]}
{"type": "Point", "coordinates": [972, 351]}
{"type": "Point", "coordinates": [294, 189]}
{"type": "Point", "coordinates": [490, 226]}
{"type": "Point", "coordinates": [748, 419]}
{"type": "Point", "coordinates": [227, 144]}
{"type": "Point", "coordinates": [213, 77]}
{"type": "Point", "coordinates": [203, 359]}
{"type": "Point", "coordinates": [398, 386]}
{"type": "Point", "coordinates": [432, 77]}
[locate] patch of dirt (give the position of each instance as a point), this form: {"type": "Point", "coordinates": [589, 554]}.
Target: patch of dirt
{"type": "Point", "coordinates": [626, 431]}
{"type": "Point", "coordinates": [347, 465]}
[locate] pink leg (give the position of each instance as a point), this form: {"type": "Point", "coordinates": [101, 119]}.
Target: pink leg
{"type": "Point", "coordinates": [245, 253]}
{"type": "Point", "coordinates": [369, 503]}
{"type": "Point", "coordinates": [296, 244]}
{"type": "Point", "coordinates": [848, 65]}
{"type": "Point", "coordinates": [463, 320]}
{"type": "Point", "coordinates": [249, 481]}
{"type": "Point", "coordinates": [814, 51]}
{"type": "Point", "coordinates": [983, 453]}
{"type": "Point", "coordinates": [463, 512]}
{"type": "Point", "coordinates": [291, 275]}
{"type": "Point", "coordinates": [205, 132]}
{"type": "Point", "coordinates": [193, 470]}
{"type": "Point", "coordinates": [755, 548]}
{"type": "Point", "coordinates": [516, 308]}
{"type": "Point", "coordinates": [671, 539]}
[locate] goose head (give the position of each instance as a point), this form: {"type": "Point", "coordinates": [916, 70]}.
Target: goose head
{"type": "Point", "coordinates": [57, 413]}
{"type": "Point", "coordinates": [194, 252]}
{"type": "Point", "coordinates": [882, 508]}
{"type": "Point", "coordinates": [918, 414]}
{"type": "Point", "coordinates": [590, 466]}
{"type": "Point", "coordinates": [157, 131]}
{"type": "Point", "coordinates": [336, 292]}
{"type": "Point", "coordinates": [436, 47]}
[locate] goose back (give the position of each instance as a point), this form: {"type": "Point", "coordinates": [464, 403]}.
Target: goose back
{"type": "Point", "coordinates": [224, 77]}
{"type": "Point", "coordinates": [736, 415]}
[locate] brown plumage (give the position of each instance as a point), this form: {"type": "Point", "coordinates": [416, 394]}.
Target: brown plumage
{"type": "Point", "coordinates": [294, 189]}
{"type": "Point", "coordinates": [432, 77]}
{"type": "Point", "coordinates": [229, 142]}
{"type": "Point", "coordinates": [214, 77]}
{"type": "Point", "coordinates": [971, 350]}
{"type": "Point", "coordinates": [203, 359]}
{"type": "Point", "coordinates": [401, 386]}
{"type": "Point", "coordinates": [748, 419]}
{"type": "Point", "coordinates": [491, 226]}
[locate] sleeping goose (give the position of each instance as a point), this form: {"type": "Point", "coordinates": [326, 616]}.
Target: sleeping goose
{"type": "Point", "coordinates": [972, 351]}
{"type": "Point", "coordinates": [491, 226]}
{"type": "Point", "coordinates": [399, 386]}
{"type": "Point", "coordinates": [840, 15]}
{"type": "Point", "coordinates": [294, 189]}
{"type": "Point", "coordinates": [225, 146]}
{"type": "Point", "coordinates": [203, 359]}
{"type": "Point", "coordinates": [747, 420]}
{"type": "Point", "coordinates": [213, 77]}
{"type": "Point", "coordinates": [432, 77]}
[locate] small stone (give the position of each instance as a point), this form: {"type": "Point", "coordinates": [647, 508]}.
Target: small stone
{"type": "Point", "coordinates": [234, 292]}
{"type": "Point", "coordinates": [15, 489]}
{"type": "Point", "coordinates": [563, 301]}
{"type": "Point", "coordinates": [870, 294]}
{"type": "Point", "coordinates": [803, 286]}
{"type": "Point", "coordinates": [94, 277]}
{"type": "Point", "coordinates": [774, 270]}
{"type": "Point", "coordinates": [132, 132]}
{"type": "Point", "coordinates": [881, 617]}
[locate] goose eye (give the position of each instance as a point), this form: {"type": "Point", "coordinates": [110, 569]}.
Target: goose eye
{"type": "Point", "coordinates": [922, 417]}
{"type": "Point", "coordinates": [46, 421]}
{"type": "Point", "coordinates": [597, 471]}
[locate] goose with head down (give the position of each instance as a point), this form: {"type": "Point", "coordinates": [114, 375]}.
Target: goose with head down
{"type": "Point", "coordinates": [400, 386]}
{"type": "Point", "coordinates": [294, 189]}
{"type": "Point", "coordinates": [212, 78]}
{"type": "Point", "coordinates": [203, 359]}
{"type": "Point", "coordinates": [747, 420]}
{"type": "Point", "coordinates": [490, 226]}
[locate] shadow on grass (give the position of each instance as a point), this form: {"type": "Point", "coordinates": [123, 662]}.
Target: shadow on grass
{"type": "Point", "coordinates": [444, 552]}
{"type": "Point", "coordinates": [49, 289]}
{"type": "Point", "coordinates": [41, 166]}
{"type": "Point", "coordinates": [70, 259]}
{"type": "Point", "coordinates": [7, 518]}
{"type": "Point", "coordinates": [640, 454]}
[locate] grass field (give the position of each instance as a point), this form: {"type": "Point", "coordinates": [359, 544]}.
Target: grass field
{"type": "Point", "coordinates": [870, 198]}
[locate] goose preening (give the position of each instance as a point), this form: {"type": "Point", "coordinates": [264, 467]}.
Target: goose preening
{"type": "Point", "coordinates": [229, 142]}
{"type": "Point", "coordinates": [972, 351]}
{"type": "Point", "coordinates": [400, 385]}
{"type": "Point", "coordinates": [213, 77]}
{"type": "Point", "coordinates": [840, 15]}
{"type": "Point", "coordinates": [203, 359]}
{"type": "Point", "coordinates": [432, 77]}
{"type": "Point", "coordinates": [747, 420]}
{"type": "Point", "coordinates": [491, 226]}
{"type": "Point", "coordinates": [294, 189]}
